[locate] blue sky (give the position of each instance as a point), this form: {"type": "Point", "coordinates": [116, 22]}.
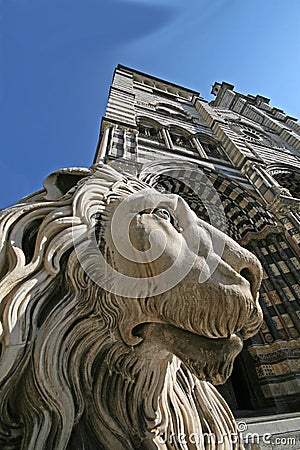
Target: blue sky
{"type": "Point", "coordinates": [57, 59]}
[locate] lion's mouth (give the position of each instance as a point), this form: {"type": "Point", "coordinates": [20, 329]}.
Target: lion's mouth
{"type": "Point", "coordinates": [208, 359]}
{"type": "Point", "coordinates": [213, 359]}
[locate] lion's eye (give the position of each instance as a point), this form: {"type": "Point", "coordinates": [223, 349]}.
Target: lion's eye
{"type": "Point", "coordinates": [163, 213]}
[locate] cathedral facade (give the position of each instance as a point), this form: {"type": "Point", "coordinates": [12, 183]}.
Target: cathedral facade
{"type": "Point", "coordinates": [236, 161]}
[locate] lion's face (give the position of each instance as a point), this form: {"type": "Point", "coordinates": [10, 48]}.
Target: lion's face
{"type": "Point", "coordinates": [198, 286]}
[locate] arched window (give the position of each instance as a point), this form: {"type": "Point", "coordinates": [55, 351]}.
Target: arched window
{"type": "Point", "coordinates": [288, 177]}
{"type": "Point", "coordinates": [146, 130]}
{"type": "Point", "coordinates": [181, 138]}
{"type": "Point", "coordinates": [212, 148]}
{"type": "Point", "coordinates": [149, 128]}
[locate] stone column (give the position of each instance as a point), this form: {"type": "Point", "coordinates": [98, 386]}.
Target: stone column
{"type": "Point", "coordinates": [167, 138]}
{"type": "Point", "coordinates": [199, 147]}
{"type": "Point", "coordinates": [103, 144]}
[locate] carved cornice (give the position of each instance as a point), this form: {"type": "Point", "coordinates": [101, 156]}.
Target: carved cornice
{"type": "Point", "coordinates": [284, 203]}
{"type": "Point", "coordinates": [276, 352]}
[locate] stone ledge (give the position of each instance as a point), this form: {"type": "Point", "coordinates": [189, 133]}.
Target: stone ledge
{"type": "Point", "coordinates": [275, 432]}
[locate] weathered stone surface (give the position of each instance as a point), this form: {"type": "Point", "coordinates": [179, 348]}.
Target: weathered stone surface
{"type": "Point", "coordinates": [119, 307]}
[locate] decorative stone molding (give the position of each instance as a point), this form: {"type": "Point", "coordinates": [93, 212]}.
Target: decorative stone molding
{"type": "Point", "coordinates": [284, 203]}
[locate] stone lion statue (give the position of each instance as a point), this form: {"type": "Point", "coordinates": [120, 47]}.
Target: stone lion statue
{"type": "Point", "coordinates": [120, 309]}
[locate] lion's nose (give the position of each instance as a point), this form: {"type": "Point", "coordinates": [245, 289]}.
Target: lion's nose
{"type": "Point", "coordinates": [244, 263]}
{"type": "Point", "coordinates": [238, 258]}
{"type": "Point", "coordinates": [253, 275]}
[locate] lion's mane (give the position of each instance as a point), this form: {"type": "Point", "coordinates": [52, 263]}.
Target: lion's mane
{"type": "Point", "coordinates": [67, 379]}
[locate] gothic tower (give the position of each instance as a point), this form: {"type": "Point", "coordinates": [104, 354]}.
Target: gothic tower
{"type": "Point", "coordinates": [236, 160]}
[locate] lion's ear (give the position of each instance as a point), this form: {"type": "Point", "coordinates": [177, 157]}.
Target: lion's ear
{"type": "Point", "coordinates": [60, 182]}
